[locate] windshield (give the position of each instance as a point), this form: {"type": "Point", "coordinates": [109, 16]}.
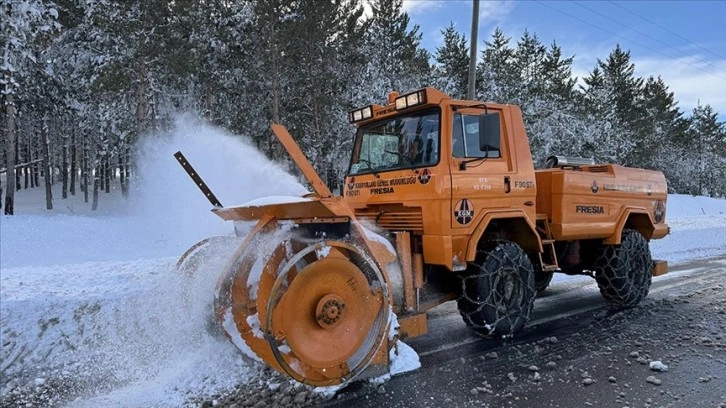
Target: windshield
{"type": "Point", "coordinates": [402, 142]}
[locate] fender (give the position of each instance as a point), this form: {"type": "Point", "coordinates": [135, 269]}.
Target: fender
{"type": "Point", "coordinates": [642, 221]}
{"type": "Point", "coordinates": [530, 242]}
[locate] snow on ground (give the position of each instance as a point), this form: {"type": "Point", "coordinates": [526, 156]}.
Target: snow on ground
{"type": "Point", "coordinates": [92, 300]}
{"type": "Point", "coordinates": [698, 229]}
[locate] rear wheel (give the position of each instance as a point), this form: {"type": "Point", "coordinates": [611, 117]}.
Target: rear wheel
{"type": "Point", "coordinates": [498, 289]}
{"type": "Point", "coordinates": [623, 272]}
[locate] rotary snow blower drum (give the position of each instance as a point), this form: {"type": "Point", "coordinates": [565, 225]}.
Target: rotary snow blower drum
{"type": "Point", "coordinates": [307, 290]}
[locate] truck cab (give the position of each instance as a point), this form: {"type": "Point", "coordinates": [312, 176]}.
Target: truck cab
{"type": "Point", "coordinates": [454, 182]}
{"type": "Point", "coordinates": [449, 171]}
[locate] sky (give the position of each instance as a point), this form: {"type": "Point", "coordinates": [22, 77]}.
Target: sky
{"type": "Point", "coordinates": [682, 41]}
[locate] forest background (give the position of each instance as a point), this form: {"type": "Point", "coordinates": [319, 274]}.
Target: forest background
{"type": "Point", "coordinates": [85, 81]}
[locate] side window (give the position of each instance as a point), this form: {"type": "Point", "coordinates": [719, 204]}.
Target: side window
{"type": "Point", "coordinates": [458, 137]}
{"type": "Point", "coordinates": [465, 141]}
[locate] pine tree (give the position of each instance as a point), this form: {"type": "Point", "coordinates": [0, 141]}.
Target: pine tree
{"type": "Point", "coordinates": [557, 71]}
{"type": "Point", "coordinates": [661, 136]}
{"type": "Point", "coordinates": [26, 29]}
{"type": "Point", "coordinates": [708, 143]}
{"type": "Point", "coordinates": [603, 138]}
{"type": "Point", "coordinates": [397, 61]}
{"type": "Point", "coordinates": [614, 100]}
{"type": "Point", "coordinates": [552, 115]}
{"type": "Point", "coordinates": [495, 70]}
{"type": "Point", "coordinates": [527, 90]}
{"type": "Point", "coordinates": [318, 90]}
{"type": "Point", "coordinates": [451, 71]}
{"type": "Point", "coordinates": [528, 64]}
{"type": "Point", "coordinates": [625, 90]}
{"type": "Point", "coordinates": [268, 67]}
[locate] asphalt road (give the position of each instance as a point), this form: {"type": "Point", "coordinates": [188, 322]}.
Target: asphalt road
{"type": "Point", "coordinates": [576, 353]}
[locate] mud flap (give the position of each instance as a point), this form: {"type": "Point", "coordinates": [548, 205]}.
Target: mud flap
{"type": "Point", "coordinates": [660, 267]}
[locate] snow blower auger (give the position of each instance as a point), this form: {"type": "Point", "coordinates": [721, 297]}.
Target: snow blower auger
{"type": "Point", "coordinates": [307, 291]}
{"type": "Point", "coordinates": [466, 217]}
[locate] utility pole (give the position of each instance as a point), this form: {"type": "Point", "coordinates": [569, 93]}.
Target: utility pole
{"type": "Point", "coordinates": [472, 51]}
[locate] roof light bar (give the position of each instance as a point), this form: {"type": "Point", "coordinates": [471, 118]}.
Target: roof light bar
{"type": "Point", "coordinates": [360, 114]}
{"type": "Point", "coordinates": [411, 99]}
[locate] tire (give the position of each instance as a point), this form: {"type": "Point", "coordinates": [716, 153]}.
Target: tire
{"type": "Point", "coordinates": [623, 272]}
{"type": "Point", "coordinates": [498, 291]}
{"type": "Point", "coordinates": [542, 280]}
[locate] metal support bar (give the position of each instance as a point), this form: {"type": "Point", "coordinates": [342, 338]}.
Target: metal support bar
{"type": "Point", "coordinates": [197, 180]}
{"type": "Point", "coordinates": [403, 249]}
{"type": "Point", "coordinates": [302, 162]}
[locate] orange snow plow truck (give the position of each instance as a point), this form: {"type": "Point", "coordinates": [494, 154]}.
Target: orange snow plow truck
{"type": "Point", "coordinates": [441, 203]}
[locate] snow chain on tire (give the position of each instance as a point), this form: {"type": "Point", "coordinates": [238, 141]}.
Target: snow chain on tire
{"type": "Point", "coordinates": [623, 272]}
{"type": "Point", "coordinates": [498, 292]}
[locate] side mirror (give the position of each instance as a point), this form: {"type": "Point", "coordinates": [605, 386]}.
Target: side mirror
{"type": "Point", "coordinates": [489, 132]}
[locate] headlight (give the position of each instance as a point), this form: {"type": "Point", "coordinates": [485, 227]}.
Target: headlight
{"type": "Point", "coordinates": [360, 114]}
{"type": "Point", "coordinates": [659, 211]}
{"type": "Point", "coordinates": [412, 99]}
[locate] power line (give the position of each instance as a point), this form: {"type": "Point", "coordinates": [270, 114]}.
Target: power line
{"type": "Point", "coordinates": [628, 39]}
{"type": "Point", "coordinates": [666, 29]}
{"type": "Point", "coordinates": [703, 61]}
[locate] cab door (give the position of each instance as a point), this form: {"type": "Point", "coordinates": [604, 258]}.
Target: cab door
{"type": "Point", "coordinates": [481, 168]}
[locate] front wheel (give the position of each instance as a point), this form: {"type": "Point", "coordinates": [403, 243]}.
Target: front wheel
{"type": "Point", "coordinates": [623, 272]}
{"type": "Point", "coordinates": [498, 289]}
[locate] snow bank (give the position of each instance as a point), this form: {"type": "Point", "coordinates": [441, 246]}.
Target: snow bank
{"type": "Point", "coordinates": [698, 229]}
{"type": "Point", "coordinates": [681, 206]}
{"type": "Point", "coordinates": [127, 327]}
{"type": "Point", "coordinates": [135, 330]}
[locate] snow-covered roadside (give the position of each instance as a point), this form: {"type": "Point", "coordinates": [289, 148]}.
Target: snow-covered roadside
{"type": "Point", "coordinates": [93, 327]}
{"type": "Point", "coordinates": [698, 229]}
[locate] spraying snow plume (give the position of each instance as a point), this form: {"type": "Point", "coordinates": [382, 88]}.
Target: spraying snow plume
{"type": "Point", "coordinates": [234, 170]}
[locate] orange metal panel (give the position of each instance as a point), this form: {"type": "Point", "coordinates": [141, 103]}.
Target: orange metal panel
{"type": "Point", "coordinates": [596, 201]}
{"type": "Point", "coordinates": [284, 211]}
{"type": "Point", "coordinates": [413, 325]}
{"type": "Point", "coordinates": [437, 250]}
{"type": "Point", "coordinates": [497, 215]}
{"type": "Point", "coordinates": [403, 248]}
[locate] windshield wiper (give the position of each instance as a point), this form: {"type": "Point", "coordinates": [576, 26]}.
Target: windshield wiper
{"type": "Point", "coordinates": [403, 156]}
{"type": "Point", "coordinates": [370, 167]}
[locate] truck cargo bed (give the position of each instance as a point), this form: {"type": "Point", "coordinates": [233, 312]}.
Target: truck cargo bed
{"type": "Point", "coordinates": [591, 202]}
